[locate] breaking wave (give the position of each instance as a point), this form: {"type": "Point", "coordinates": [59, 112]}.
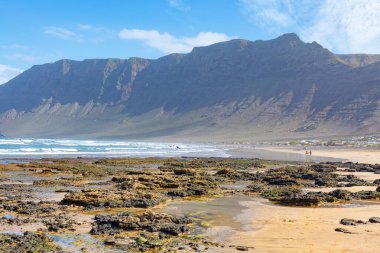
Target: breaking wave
{"type": "Point", "coordinates": [27, 147]}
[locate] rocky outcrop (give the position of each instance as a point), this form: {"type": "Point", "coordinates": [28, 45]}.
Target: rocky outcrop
{"type": "Point", "coordinates": [29, 208]}
{"type": "Point", "coordinates": [374, 219]}
{"type": "Point", "coordinates": [149, 221]}
{"type": "Point", "coordinates": [28, 242]}
{"type": "Point", "coordinates": [351, 222]}
{"type": "Point", "coordinates": [113, 198]}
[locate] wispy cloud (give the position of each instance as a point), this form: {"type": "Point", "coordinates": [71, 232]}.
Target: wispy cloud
{"type": "Point", "coordinates": [167, 43]}
{"type": "Point", "coordinates": [88, 27]}
{"type": "Point", "coordinates": [63, 33]}
{"type": "Point", "coordinates": [24, 57]}
{"type": "Point", "coordinates": [279, 15]}
{"type": "Point", "coordinates": [179, 5]}
{"type": "Point", "coordinates": [348, 26]}
{"type": "Point", "coordinates": [13, 46]}
{"type": "Point", "coordinates": [268, 13]}
{"type": "Point", "coordinates": [7, 73]}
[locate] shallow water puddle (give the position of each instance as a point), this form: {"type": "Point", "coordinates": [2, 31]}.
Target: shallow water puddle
{"type": "Point", "coordinates": [77, 243]}
{"type": "Point", "coordinates": [351, 189]}
{"type": "Point", "coordinates": [236, 186]}
{"type": "Point", "coordinates": [8, 161]}
{"type": "Point", "coordinates": [216, 212]}
{"type": "Point", "coordinates": [7, 216]}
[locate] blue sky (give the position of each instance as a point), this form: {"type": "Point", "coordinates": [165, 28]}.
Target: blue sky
{"type": "Point", "coordinates": [40, 31]}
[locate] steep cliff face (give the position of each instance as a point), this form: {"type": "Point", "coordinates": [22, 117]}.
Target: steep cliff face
{"type": "Point", "coordinates": [236, 89]}
{"type": "Point", "coordinates": [66, 81]}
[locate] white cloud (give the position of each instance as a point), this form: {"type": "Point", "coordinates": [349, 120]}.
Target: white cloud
{"type": "Point", "coordinates": [267, 13]}
{"type": "Point", "coordinates": [279, 15]}
{"type": "Point", "coordinates": [179, 5]}
{"type": "Point", "coordinates": [7, 73]}
{"type": "Point", "coordinates": [62, 33]}
{"type": "Point", "coordinates": [345, 26]}
{"type": "Point", "coordinates": [167, 43]}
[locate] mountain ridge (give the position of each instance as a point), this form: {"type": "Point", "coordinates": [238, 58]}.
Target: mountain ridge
{"type": "Point", "coordinates": [234, 90]}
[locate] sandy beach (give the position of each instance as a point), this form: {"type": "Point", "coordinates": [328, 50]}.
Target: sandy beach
{"type": "Point", "coordinates": [354, 155]}
{"type": "Point", "coordinates": [284, 229]}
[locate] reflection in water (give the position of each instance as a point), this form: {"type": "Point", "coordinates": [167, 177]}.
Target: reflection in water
{"type": "Point", "coordinates": [212, 212]}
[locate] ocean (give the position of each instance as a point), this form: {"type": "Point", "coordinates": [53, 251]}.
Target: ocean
{"type": "Point", "coordinates": [28, 147]}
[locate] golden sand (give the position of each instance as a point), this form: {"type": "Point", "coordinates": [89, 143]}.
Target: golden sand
{"type": "Point", "coordinates": [353, 155]}
{"type": "Point", "coordinates": [290, 229]}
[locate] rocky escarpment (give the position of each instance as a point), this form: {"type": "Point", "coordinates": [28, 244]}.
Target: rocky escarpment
{"type": "Point", "coordinates": [266, 89]}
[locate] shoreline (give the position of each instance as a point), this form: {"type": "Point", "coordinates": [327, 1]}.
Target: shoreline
{"type": "Point", "coordinates": [189, 204]}
{"type": "Point", "coordinates": [297, 153]}
{"type": "Point", "coordinates": [66, 149]}
{"type": "Point", "coordinates": [356, 155]}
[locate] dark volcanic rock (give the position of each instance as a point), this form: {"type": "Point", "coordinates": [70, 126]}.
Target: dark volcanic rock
{"type": "Point", "coordinates": [148, 221]}
{"type": "Point", "coordinates": [323, 167]}
{"type": "Point", "coordinates": [374, 219]}
{"type": "Point", "coordinates": [341, 194]}
{"type": "Point", "coordinates": [29, 208]}
{"type": "Point", "coordinates": [343, 230]}
{"type": "Point", "coordinates": [113, 198]}
{"type": "Point", "coordinates": [187, 193]}
{"type": "Point", "coordinates": [299, 199]}
{"type": "Point", "coordinates": [196, 188]}
{"type": "Point", "coordinates": [58, 222]}
{"type": "Point", "coordinates": [294, 197]}
{"type": "Point", "coordinates": [184, 171]}
{"type": "Point", "coordinates": [370, 195]}
{"type": "Point", "coordinates": [225, 171]}
{"type": "Point", "coordinates": [351, 222]}
{"type": "Point", "coordinates": [28, 242]}
{"type": "Point", "coordinates": [282, 181]}
{"type": "Point", "coordinates": [241, 248]}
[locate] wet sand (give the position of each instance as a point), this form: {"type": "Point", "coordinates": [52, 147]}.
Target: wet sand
{"type": "Point", "coordinates": [284, 229]}
{"type": "Point", "coordinates": [274, 153]}
{"type": "Point", "coordinates": [350, 189]}
{"type": "Point", "coordinates": [256, 222]}
{"type": "Point", "coordinates": [211, 212]}
{"type": "Point", "coordinates": [354, 155]}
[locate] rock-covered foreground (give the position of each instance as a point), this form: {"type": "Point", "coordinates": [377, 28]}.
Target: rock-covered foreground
{"type": "Point", "coordinates": [116, 202]}
{"type": "Point", "coordinates": [27, 242]}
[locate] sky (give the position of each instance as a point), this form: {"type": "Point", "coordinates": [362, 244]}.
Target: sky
{"type": "Point", "coordinates": [42, 31]}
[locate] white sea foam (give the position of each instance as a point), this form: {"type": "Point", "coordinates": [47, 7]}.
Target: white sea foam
{"type": "Point", "coordinates": [24, 147]}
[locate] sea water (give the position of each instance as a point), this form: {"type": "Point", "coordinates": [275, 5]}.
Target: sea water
{"type": "Point", "coordinates": [28, 147]}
